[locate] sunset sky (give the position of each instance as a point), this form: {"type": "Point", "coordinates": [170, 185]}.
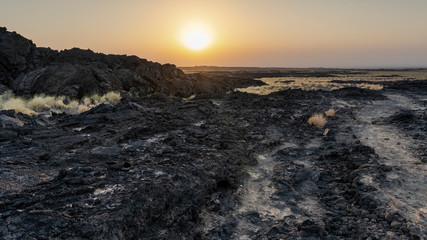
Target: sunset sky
{"type": "Point", "coordinates": [273, 33]}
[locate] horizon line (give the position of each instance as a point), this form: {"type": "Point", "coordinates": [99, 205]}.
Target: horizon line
{"type": "Point", "coordinates": [276, 67]}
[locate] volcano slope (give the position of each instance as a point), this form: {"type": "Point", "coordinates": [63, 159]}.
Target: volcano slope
{"type": "Point", "coordinates": [234, 166]}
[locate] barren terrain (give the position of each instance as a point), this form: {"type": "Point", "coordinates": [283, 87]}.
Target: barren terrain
{"type": "Point", "coordinates": [233, 166]}
{"type": "Point", "coordinates": [218, 154]}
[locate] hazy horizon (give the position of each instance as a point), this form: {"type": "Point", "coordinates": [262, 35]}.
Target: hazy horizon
{"type": "Point", "coordinates": [287, 34]}
{"type": "Point", "coordinates": [278, 67]}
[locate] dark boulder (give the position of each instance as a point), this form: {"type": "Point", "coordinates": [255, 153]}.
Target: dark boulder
{"type": "Point", "coordinates": [66, 79]}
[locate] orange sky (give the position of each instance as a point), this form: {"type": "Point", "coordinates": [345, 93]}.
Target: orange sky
{"type": "Point", "coordinates": [275, 33]}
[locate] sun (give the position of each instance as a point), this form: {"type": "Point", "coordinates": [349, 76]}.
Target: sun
{"type": "Point", "coordinates": [196, 37]}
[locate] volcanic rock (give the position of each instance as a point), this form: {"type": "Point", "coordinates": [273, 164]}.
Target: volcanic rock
{"type": "Point", "coordinates": [29, 70]}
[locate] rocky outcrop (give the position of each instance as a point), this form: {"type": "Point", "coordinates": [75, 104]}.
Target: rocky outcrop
{"type": "Point", "coordinates": [29, 70]}
{"type": "Point", "coordinates": [17, 55]}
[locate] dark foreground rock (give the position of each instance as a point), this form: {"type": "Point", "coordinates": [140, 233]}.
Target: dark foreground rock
{"type": "Point", "coordinates": [137, 170]}
{"type": "Point", "coordinates": [165, 168]}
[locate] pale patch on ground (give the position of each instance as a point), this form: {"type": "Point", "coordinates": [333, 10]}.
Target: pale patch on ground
{"type": "Point", "coordinates": [199, 123]}
{"type": "Point", "coordinates": [257, 194]}
{"type": "Point", "coordinates": [257, 191]}
{"type": "Point", "coordinates": [156, 138]}
{"type": "Point", "coordinates": [108, 189]}
{"type": "Point", "coordinates": [408, 189]}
